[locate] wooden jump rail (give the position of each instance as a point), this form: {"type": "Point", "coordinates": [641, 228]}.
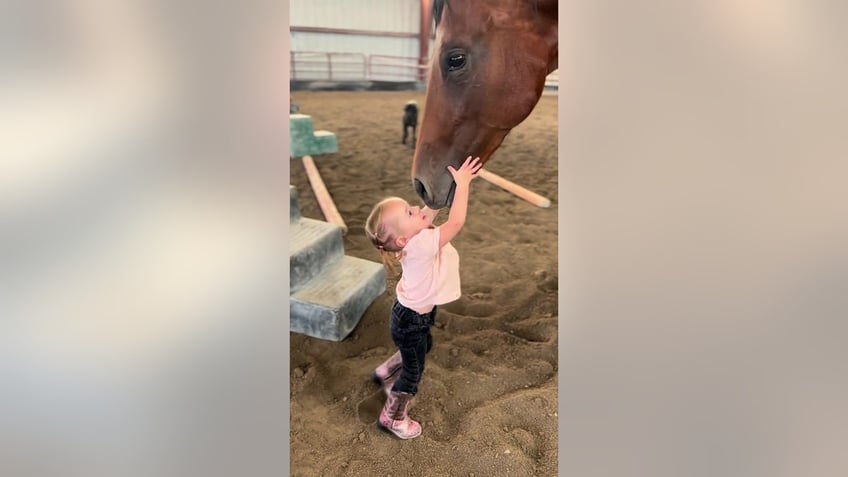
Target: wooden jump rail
{"type": "Point", "coordinates": [324, 200]}
{"type": "Point", "coordinates": [516, 189]}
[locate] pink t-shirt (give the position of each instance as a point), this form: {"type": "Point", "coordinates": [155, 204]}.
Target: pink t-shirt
{"type": "Point", "coordinates": [430, 274]}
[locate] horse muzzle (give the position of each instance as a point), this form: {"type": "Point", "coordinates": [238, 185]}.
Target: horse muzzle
{"type": "Point", "coordinates": [437, 194]}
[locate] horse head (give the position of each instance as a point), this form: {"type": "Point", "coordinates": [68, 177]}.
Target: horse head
{"type": "Point", "coordinates": [486, 75]}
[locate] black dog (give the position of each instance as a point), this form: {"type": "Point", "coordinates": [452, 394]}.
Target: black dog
{"type": "Point", "coordinates": [410, 120]}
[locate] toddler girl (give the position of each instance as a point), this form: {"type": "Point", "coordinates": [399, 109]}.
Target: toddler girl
{"type": "Point", "coordinates": [429, 277]}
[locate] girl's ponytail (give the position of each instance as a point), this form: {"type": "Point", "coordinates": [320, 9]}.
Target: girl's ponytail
{"type": "Point", "coordinates": [382, 238]}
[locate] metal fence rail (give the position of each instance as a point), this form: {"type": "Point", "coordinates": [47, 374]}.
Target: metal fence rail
{"type": "Point", "coordinates": [334, 66]}
{"type": "Point", "coordinates": [552, 80]}
{"type": "Point", "coordinates": [394, 68]}
{"type": "Point", "coordinates": [331, 66]}
{"type": "Point", "coordinates": [307, 65]}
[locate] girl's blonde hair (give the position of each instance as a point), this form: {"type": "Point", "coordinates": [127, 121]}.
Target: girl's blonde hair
{"type": "Point", "coordinates": [382, 236]}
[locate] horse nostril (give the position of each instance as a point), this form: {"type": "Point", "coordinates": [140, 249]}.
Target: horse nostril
{"type": "Point", "coordinates": [420, 189]}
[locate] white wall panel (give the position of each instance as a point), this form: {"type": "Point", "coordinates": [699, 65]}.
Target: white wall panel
{"type": "Point", "coordinates": [356, 18]}
{"type": "Point", "coordinates": [367, 45]}
{"type": "Point", "coordinates": [402, 16]}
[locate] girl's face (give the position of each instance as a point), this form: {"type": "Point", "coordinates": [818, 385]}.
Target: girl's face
{"type": "Point", "coordinates": [406, 221]}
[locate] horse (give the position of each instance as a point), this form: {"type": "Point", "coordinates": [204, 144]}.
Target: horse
{"type": "Point", "coordinates": [410, 120]}
{"type": "Point", "coordinates": [487, 73]}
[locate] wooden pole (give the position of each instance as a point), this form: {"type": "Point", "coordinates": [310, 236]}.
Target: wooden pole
{"type": "Point", "coordinates": [324, 200]}
{"type": "Point", "coordinates": [516, 189]}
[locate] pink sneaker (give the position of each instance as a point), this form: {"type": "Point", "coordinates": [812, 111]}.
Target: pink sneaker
{"type": "Point", "coordinates": [395, 418]}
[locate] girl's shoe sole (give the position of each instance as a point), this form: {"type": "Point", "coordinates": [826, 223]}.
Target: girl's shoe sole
{"type": "Point", "coordinates": [390, 432]}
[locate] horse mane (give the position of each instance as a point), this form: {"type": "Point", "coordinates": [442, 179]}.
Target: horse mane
{"type": "Point", "coordinates": [439, 6]}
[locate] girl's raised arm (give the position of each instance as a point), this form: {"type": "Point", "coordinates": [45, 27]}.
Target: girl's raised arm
{"type": "Point", "coordinates": [456, 219]}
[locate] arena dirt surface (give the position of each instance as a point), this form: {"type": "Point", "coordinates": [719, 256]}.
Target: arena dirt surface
{"type": "Point", "coordinates": [488, 398]}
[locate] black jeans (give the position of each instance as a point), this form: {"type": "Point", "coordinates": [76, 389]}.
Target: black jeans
{"type": "Point", "coordinates": [411, 334]}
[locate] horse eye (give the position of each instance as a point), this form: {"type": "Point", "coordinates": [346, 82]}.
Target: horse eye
{"type": "Point", "coordinates": [456, 62]}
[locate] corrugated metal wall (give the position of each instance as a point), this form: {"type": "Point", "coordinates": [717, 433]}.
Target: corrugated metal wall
{"type": "Point", "coordinates": [361, 28]}
{"type": "Point", "coordinates": [379, 16]}
{"type": "Point", "coordinates": [376, 15]}
{"type": "Point", "coordinates": [345, 43]}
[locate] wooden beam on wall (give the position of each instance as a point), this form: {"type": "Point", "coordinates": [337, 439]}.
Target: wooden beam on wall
{"type": "Point", "coordinates": [348, 31]}
{"type": "Point", "coordinates": [424, 36]}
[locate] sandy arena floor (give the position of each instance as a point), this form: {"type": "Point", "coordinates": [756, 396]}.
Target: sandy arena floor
{"type": "Point", "coordinates": [488, 398]}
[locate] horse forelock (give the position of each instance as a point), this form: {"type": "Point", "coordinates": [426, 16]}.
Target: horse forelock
{"type": "Point", "coordinates": [439, 8]}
